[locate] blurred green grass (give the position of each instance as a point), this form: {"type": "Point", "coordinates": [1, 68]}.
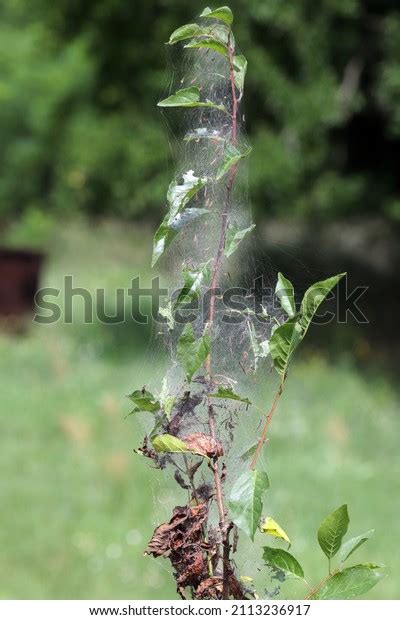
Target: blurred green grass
{"type": "Point", "coordinates": [77, 506]}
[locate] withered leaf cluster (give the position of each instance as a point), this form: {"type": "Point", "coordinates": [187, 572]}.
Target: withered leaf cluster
{"type": "Point", "coordinates": [181, 540]}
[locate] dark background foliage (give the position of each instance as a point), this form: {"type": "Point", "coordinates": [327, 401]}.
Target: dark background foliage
{"type": "Point", "coordinates": [80, 131]}
{"type": "Point", "coordinates": [79, 127]}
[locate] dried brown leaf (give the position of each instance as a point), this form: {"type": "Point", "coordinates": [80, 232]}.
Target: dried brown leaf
{"type": "Point", "coordinates": [181, 541]}
{"type": "Point", "coordinates": [204, 445]}
{"type": "Point", "coordinates": [210, 588]}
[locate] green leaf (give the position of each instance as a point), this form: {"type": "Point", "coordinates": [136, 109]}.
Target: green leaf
{"type": "Point", "coordinates": [170, 227]}
{"type": "Point", "coordinates": [222, 33]}
{"type": "Point", "coordinates": [209, 43]}
{"type": "Point", "coordinates": [163, 237]}
{"type": "Point", "coordinates": [285, 293]}
{"type": "Point", "coordinates": [282, 560]}
{"type": "Point", "coordinates": [188, 98]}
{"type": "Point", "coordinates": [332, 530]}
{"type": "Point", "coordinates": [350, 582]}
{"type": "Point", "coordinates": [192, 31]}
{"type": "Point", "coordinates": [288, 336]}
{"type": "Point", "coordinates": [185, 32]}
{"type": "Point", "coordinates": [245, 501]}
{"type": "Point", "coordinates": [353, 543]}
{"type": "Point", "coordinates": [144, 401]}
{"type": "Point", "coordinates": [168, 443]}
{"type": "Point", "coordinates": [192, 352]}
{"type": "Point", "coordinates": [283, 343]}
{"type": "Point", "coordinates": [232, 156]}
{"type": "Point", "coordinates": [233, 238]}
{"type": "Point", "coordinates": [224, 13]}
{"type": "Point", "coordinates": [193, 281]}
{"type": "Point", "coordinates": [239, 69]}
{"type": "Point", "coordinates": [227, 392]}
{"type": "Point", "coordinates": [313, 298]}
{"type": "Point", "coordinates": [178, 196]}
{"type": "Point", "coordinates": [185, 97]}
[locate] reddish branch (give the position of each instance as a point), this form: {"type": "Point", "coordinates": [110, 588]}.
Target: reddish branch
{"type": "Point", "coordinates": [215, 281]}
{"type": "Point", "coordinates": [268, 419]}
{"type": "Point", "coordinates": [322, 583]}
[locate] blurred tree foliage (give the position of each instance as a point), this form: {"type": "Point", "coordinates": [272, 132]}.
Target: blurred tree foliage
{"type": "Point", "coordinates": [80, 131]}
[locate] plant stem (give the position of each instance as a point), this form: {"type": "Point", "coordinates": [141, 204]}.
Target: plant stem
{"type": "Point", "coordinates": [322, 583]}
{"type": "Point", "coordinates": [216, 274]}
{"type": "Point", "coordinates": [215, 280]}
{"type": "Point", "coordinates": [268, 419]}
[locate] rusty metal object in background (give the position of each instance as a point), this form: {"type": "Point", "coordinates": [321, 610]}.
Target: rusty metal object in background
{"type": "Point", "coordinates": [19, 281]}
